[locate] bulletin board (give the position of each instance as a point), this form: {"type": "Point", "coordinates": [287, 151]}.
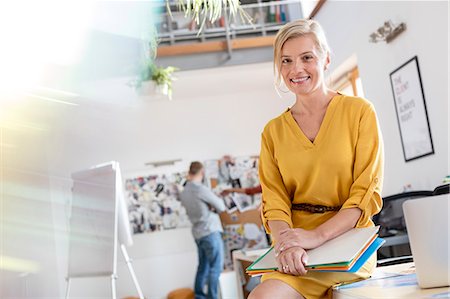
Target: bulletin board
{"type": "Point", "coordinates": [153, 202]}
{"type": "Point", "coordinates": [154, 205]}
{"type": "Point", "coordinates": [243, 229]}
{"type": "Point", "coordinates": [234, 172]}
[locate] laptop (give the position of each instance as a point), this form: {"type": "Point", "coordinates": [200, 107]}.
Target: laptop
{"type": "Point", "coordinates": [427, 222]}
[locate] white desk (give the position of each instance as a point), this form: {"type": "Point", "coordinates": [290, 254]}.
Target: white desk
{"type": "Point", "coordinates": [397, 281]}
{"type": "Point", "coordinates": [240, 261]}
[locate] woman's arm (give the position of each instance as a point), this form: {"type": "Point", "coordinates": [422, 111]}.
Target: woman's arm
{"type": "Point", "coordinates": [231, 190]}
{"type": "Point", "coordinates": [290, 261]}
{"type": "Point", "coordinates": [276, 227]}
{"type": "Point", "coordinates": [276, 203]}
{"type": "Point", "coordinates": [343, 221]}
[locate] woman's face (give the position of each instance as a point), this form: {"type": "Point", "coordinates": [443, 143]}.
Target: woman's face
{"type": "Point", "coordinates": [302, 67]}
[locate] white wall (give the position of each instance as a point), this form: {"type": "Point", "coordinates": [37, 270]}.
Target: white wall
{"type": "Point", "coordinates": [348, 25]}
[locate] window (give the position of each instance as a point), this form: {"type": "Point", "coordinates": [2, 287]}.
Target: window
{"type": "Point", "coordinates": [349, 83]}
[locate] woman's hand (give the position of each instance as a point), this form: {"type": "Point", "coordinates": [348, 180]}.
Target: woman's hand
{"type": "Point", "coordinates": [297, 237]}
{"type": "Point", "coordinates": [292, 261]}
{"type": "Point", "coordinates": [226, 192]}
{"type": "Point", "coordinates": [231, 190]}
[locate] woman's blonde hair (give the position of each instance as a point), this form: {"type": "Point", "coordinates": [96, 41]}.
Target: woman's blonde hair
{"type": "Point", "coordinates": [296, 29]}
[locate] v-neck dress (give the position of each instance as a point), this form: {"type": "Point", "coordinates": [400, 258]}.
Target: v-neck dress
{"type": "Point", "coordinates": [342, 167]}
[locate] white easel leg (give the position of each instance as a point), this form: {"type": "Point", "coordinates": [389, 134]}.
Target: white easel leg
{"type": "Point", "coordinates": [113, 286]}
{"type": "Point", "coordinates": [67, 287]}
{"type": "Point", "coordinates": [130, 268]}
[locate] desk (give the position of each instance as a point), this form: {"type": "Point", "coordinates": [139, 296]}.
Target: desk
{"type": "Point", "coordinates": [241, 261]}
{"type": "Point", "coordinates": [397, 281]}
{"type": "Point", "coordinates": [396, 240]}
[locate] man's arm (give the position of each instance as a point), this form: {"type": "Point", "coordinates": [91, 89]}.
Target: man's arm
{"type": "Point", "coordinates": [213, 200]}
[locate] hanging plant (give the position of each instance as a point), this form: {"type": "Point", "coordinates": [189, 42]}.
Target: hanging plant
{"type": "Point", "coordinates": [209, 10]}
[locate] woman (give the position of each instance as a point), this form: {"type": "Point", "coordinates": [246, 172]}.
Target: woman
{"type": "Point", "coordinates": [321, 167]}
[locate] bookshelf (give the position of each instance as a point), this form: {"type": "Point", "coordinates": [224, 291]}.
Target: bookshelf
{"type": "Point", "coordinates": [177, 32]}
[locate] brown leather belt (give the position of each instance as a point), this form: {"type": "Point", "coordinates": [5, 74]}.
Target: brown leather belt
{"type": "Point", "coordinates": [314, 208]}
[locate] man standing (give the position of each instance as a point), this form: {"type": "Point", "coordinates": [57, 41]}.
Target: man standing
{"type": "Point", "coordinates": [202, 207]}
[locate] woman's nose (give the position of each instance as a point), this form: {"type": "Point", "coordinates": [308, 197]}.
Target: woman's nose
{"type": "Point", "coordinates": [298, 65]}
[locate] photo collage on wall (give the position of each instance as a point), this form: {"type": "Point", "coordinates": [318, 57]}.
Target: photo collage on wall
{"type": "Point", "coordinates": [239, 172]}
{"type": "Point", "coordinates": [153, 202]}
{"type": "Point", "coordinates": [243, 229]}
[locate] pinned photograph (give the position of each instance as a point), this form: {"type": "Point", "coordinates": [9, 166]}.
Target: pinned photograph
{"type": "Point", "coordinates": [230, 204]}
{"type": "Point", "coordinates": [243, 202]}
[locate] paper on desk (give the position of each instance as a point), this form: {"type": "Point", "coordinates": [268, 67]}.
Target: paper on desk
{"type": "Point", "coordinates": [392, 282]}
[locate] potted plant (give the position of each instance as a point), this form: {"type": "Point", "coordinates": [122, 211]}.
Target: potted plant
{"type": "Point", "coordinates": [152, 79]}
{"type": "Point", "coordinates": [155, 79]}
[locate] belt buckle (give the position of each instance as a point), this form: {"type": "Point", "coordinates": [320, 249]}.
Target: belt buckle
{"type": "Point", "coordinates": [319, 209]}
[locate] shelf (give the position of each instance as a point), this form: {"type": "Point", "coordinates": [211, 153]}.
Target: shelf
{"type": "Point", "coordinates": [185, 34]}
{"type": "Point", "coordinates": [181, 34]}
{"type": "Point", "coordinates": [215, 46]}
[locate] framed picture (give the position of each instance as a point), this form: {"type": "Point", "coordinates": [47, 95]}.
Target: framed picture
{"type": "Point", "coordinates": [411, 110]}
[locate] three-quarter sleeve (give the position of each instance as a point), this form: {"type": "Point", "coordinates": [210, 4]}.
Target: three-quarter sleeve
{"type": "Point", "coordinates": [276, 204]}
{"type": "Point", "coordinates": [365, 192]}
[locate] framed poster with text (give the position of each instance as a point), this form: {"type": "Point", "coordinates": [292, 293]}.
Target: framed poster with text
{"type": "Point", "coordinates": [411, 110]}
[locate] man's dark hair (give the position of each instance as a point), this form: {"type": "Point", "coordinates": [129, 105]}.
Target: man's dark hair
{"type": "Point", "coordinates": [195, 168]}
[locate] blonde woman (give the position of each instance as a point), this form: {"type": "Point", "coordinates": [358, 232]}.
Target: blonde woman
{"type": "Point", "coordinates": [321, 167]}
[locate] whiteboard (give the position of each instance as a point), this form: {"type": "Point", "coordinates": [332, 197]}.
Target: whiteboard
{"type": "Point", "coordinates": [97, 202]}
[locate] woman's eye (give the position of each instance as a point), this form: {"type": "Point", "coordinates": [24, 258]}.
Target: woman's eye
{"type": "Point", "coordinates": [285, 61]}
{"type": "Point", "coordinates": [308, 57]}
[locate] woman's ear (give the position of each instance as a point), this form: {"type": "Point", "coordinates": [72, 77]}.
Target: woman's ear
{"type": "Point", "coordinates": [327, 62]}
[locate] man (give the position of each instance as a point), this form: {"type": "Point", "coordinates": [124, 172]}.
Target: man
{"type": "Point", "coordinates": [202, 207]}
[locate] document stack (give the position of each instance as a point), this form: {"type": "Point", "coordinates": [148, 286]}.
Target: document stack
{"type": "Point", "coordinates": [345, 253]}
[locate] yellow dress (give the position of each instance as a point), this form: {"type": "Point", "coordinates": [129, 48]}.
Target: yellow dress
{"type": "Point", "coordinates": [343, 166]}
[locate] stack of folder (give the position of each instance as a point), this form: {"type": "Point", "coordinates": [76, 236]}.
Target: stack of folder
{"type": "Point", "coordinates": [345, 253]}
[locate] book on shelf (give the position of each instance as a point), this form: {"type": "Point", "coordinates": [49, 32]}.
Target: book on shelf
{"type": "Point", "coordinates": [277, 14]}
{"type": "Point", "coordinates": [222, 21]}
{"type": "Point", "coordinates": [271, 14]}
{"type": "Point", "coordinates": [345, 253]}
{"type": "Point", "coordinates": [283, 14]}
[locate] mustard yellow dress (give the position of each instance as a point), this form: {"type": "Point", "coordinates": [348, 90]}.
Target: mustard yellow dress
{"type": "Point", "coordinates": [343, 166]}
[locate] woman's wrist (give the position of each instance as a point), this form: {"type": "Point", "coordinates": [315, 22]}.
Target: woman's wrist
{"type": "Point", "coordinates": [321, 235]}
{"type": "Point", "coordinates": [276, 227]}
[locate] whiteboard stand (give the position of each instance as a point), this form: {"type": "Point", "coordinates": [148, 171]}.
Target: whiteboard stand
{"type": "Point", "coordinates": [98, 222]}
{"type": "Point", "coordinates": [67, 287]}
{"type": "Point", "coordinates": [130, 268]}
{"type": "Point", "coordinates": [113, 276]}
{"type": "Point", "coordinates": [113, 284]}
